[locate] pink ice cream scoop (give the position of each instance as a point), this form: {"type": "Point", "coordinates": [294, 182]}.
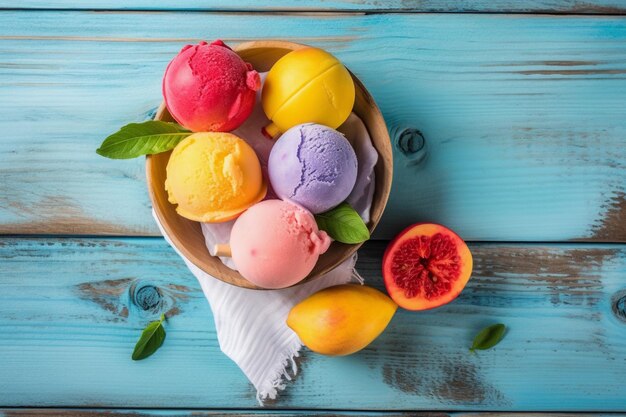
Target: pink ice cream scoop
{"type": "Point", "coordinates": [209, 88]}
{"type": "Point", "coordinates": [276, 244]}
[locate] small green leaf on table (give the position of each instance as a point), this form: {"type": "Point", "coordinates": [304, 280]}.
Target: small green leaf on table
{"type": "Point", "coordinates": [147, 138]}
{"type": "Point", "coordinates": [488, 337]}
{"type": "Point", "coordinates": [343, 224]}
{"type": "Point", "coordinates": [151, 339]}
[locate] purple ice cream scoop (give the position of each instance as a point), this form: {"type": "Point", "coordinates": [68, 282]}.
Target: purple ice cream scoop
{"type": "Point", "coordinates": [314, 166]}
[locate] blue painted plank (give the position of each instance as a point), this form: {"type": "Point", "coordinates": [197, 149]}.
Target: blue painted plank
{"type": "Point", "coordinates": [432, 6]}
{"type": "Point", "coordinates": [38, 412]}
{"type": "Point", "coordinates": [71, 310]}
{"type": "Point", "coordinates": [523, 116]}
{"type": "Point", "coordinates": [64, 412]}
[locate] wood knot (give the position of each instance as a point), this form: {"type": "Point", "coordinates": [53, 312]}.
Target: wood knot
{"type": "Point", "coordinates": [412, 144]}
{"type": "Point", "coordinates": [618, 305]}
{"type": "Point", "coordinates": [148, 298]}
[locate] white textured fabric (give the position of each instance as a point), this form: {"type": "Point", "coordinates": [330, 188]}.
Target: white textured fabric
{"type": "Point", "coordinates": [250, 324]}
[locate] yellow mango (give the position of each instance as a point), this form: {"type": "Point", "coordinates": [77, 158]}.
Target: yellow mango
{"type": "Point", "coordinates": [341, 320]}
{"type": "Point", "coordinates": [307, 85]}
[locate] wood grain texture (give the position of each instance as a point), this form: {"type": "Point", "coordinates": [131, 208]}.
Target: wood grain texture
{"type": "Point", "coordinates": [71, 310]}
{"type": "Point", "coordinates": [68, 412]}
{"type": "Point", "coordinates": [199, 413]}
{"type": "Point", "coordinates": [422, 6]}
{"type": "Point", "coordinates": [522, 116]}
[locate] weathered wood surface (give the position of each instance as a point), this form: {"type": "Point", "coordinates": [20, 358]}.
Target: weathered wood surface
{"type": "Point", "coordinates": [523, 116]}
{"type": "Point", "coordinates": [71, 310]}
{"type": "Point", "coordinates": [439, 6]}
{"type": "Point", "coordinates": [65, 412]}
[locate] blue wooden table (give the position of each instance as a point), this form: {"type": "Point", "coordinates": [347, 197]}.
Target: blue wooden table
{"type": "Point", "coordinates": [508, 121]}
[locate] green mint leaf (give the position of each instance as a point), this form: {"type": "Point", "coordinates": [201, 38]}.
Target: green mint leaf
{"type": "Point", "coordinates": [151, 340]}
{"type": "Point", "coordinates": [147, 138]}
{"type": "Point", "coordinates": [488, 337]}
{"type": "Point", "coordinates": [343, 224]}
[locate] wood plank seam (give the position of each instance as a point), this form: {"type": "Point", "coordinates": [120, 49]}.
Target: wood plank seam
{"type": "Point", "coordinates": [582, 11]}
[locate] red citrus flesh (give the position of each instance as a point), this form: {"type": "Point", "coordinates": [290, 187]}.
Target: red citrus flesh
{"type": "Point", "coordinates": [427, 265]}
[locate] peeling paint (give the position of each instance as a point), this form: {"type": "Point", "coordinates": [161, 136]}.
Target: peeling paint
{"type": "Point", "coordinates": [107, 294]}
{"type": "Point", "coordinates": [60, 215]}
{"type": "Point", "coordinates": [571, 276]}
{"type": "Point", "coordinates": [451, 381]}
{"type": "Point", "coordinates": [110, 295]}
{"type": "Point", "coordinates": [612, 226]}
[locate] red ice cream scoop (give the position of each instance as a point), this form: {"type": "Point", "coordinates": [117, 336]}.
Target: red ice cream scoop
{"type": "Point", "coordinates": [209, 88]}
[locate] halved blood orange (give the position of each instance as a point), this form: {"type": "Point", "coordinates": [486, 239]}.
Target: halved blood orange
{"type": "Point", "coordinates": [427, 265]}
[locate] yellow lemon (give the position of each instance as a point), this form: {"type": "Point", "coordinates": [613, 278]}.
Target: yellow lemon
{"type": "Point", "coordinates": [307, 85]}
{"type": "Point", "coordinates": [341, 320]}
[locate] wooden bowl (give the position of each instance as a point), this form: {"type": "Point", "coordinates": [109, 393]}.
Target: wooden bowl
{"type": "Point", "coordinates": [186, 235]}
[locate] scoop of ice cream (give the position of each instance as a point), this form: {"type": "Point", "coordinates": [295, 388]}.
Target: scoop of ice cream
{"type": "Point", "coordinates": [209, 88]}
{"type": "Point", "coordinates": [213, 177]}
{"type": "Point", "coordinates": [276, 244]}
{"type": "Point", "coordinates": [314, 166]}
{"type": "Point", "coordinates": [307, 85]}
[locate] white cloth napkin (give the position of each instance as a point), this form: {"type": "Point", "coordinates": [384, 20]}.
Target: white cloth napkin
{"type": "Point", "coordinates": [250, 324]}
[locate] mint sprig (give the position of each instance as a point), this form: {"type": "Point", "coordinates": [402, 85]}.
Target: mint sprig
{"type": "Point", "coordinates": [147, 138]}
{"type": "Point", "coordinates": [488, 337]}
{"type": "Point", "coordinates": [151, 339]}
{"type": "Point", "coordinates": [343, 224]}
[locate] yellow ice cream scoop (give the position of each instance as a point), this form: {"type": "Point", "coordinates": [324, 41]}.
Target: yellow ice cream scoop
{"type": "Point", "coordinates": [307, 85]}
{"type": "Point", "coordinates": [213, 177]}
